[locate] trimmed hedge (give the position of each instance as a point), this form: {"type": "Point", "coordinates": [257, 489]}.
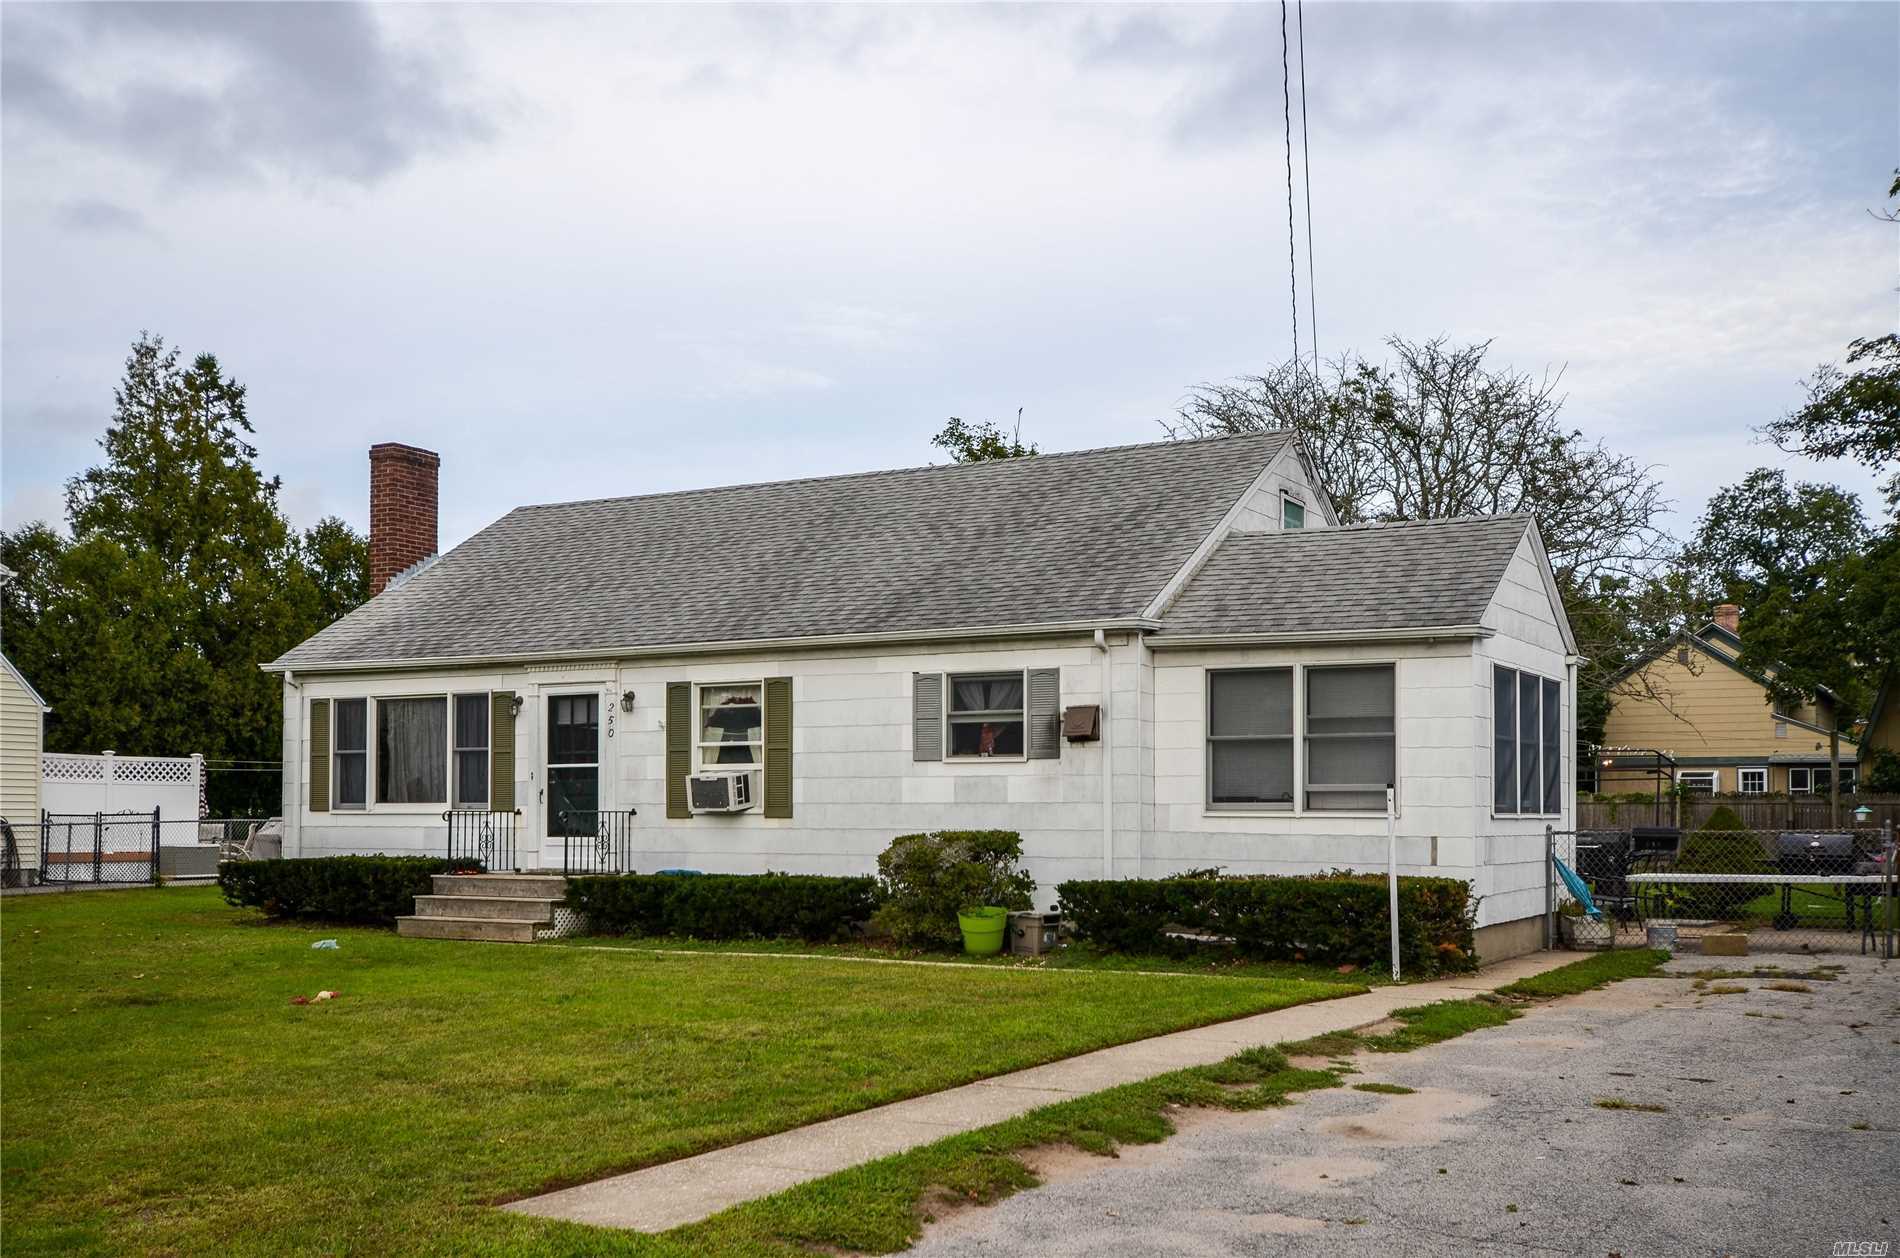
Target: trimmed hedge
{"type": "Point", "coordinates": [1331, 919]}
{"type": "Point", "coordinates": [374, 890]}
{"type": "Point", "coordinates": [724, 906]}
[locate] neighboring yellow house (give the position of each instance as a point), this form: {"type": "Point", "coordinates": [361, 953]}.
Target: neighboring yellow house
{"type": "Point", "coordinates": [22, 738]}
{"type": "Point", "coordinates": [1689, 696]}
{"type": "Point", "coordinates": [1883, 719]}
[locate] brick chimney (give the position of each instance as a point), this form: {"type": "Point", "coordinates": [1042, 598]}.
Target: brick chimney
{"type": "Point", "coordinates": [1728, 616]}
{"type": "Point", "coordinates": [402, 506]}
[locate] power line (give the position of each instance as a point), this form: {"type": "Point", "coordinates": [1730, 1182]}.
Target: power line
{"type": "Point", "coordinates": [1292, 264]}
{"type": "Point", "coordinates": [1306, 162]}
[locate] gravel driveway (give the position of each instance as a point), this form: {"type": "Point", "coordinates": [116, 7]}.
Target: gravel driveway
{"type": "Point", "coordinates": [1781, 1136]}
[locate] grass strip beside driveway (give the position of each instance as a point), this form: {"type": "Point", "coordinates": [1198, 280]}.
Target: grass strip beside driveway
{"type": "Point", "coordinates": [162, 1095]}
{"type": "Point", "coordinates": [1207, 961]}
{"type": "Point", "coordinates": [880, 1207]}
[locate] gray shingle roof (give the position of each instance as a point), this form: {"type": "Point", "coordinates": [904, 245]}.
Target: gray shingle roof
{"type": "Point", "coordinates": [1092, 534]}
{"type": "Point", "coordinates": [1417, 575]}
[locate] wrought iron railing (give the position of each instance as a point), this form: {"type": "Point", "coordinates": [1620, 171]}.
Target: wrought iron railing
{"type": "Point", "coordinates": [488, 837]}
{"type": "Point", "coordinates": [596, 842]}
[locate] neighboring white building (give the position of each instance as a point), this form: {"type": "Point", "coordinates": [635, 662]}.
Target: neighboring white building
{"type": "Point", "coordinates": [1144, 659]}
{"type": "Point", "coordinates": [22, 739]}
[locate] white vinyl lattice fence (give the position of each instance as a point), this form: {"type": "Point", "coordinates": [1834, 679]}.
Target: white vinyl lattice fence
{"type": "Point", "coordinates": [108, 783]}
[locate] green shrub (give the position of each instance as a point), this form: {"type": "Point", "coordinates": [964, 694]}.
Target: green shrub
{"type": "Point", "coordinates": [372, 890]}
{"type": "Point", "coordinates": [724, 906]}
{"type": "Point", "coordinates": [1723, 845]}
{"type": "Point", "coordinates": [927, 879]}
{"type": "Point", "coordinates": [1333, 919]}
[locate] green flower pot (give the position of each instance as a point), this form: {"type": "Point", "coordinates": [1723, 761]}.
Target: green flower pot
{"type": "Point", "coordinates": [983, 930]}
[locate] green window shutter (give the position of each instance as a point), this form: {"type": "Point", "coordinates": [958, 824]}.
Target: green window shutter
{"type": "Point", "coordinates": [501, 751]}
{"type": "Point", "coordinates": [679, 746]}
{"type": "Point", "coordinates": [778, 746]}
{"type": "Point", "coordinates": [1045, 699]}
{"type": "Point", "coordinates": [926, 716]}
{"type": "Point", "coordinates": [319, 755]}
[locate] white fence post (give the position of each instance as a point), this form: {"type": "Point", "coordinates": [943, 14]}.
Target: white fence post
{"type": "Point", "coordinates": [105, 782]}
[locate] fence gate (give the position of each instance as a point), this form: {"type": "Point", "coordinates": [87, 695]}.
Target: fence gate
{"type": "Point", "coordinates": [100, 847]}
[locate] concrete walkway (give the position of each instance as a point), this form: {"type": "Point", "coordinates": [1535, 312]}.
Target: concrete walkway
{"type": "Point", "coordinates": [676, 1193]}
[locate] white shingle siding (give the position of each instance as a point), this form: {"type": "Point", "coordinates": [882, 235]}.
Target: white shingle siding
{"type": "Point", "coordinates": [1528, 636]}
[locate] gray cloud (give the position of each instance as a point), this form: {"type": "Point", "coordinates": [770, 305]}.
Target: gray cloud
{"type": "Point", "coordinates": [102, 217]}
{"type": "Point", "coordinates": [233, 90]}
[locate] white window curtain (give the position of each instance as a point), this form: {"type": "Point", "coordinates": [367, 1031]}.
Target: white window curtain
{"type": "Point", "coordinates": [412, 751]}
{"type": "Point", "coordinates": [986, 715]}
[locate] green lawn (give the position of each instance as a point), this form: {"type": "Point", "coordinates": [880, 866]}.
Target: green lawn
{"type": "Point", "coordinates": [159, 1094]}
{"type": "Point", "coordinates": [1823, 908]}
{"type": "Point", "coordinates": [1216, 962]}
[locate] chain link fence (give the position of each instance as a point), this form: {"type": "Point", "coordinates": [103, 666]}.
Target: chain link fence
{"type": "Point", "coordinates": [127, 848]}
{"type": "Point", "coordinates": [1726, 889]}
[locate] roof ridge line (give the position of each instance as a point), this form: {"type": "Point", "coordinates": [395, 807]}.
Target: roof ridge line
{"type": "Point", "coordinates": [1286, 434]}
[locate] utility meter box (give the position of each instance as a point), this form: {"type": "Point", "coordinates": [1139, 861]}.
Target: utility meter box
{"type": "Point", "coordinates": [1032, 934]}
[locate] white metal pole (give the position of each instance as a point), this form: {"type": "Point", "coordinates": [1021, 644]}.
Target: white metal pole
{"type": "Point", "coordinates": [1392, 876]}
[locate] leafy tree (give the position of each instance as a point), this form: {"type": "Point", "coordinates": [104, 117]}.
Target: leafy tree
{"type": "Point", "coordinates": [1767, 533]}
{"type": "Point", "coordinates": [980, 443]}
{"type": "Point", "coordinates": [1853, 412]}
{"type": "Point", "coordinates": [1821, 591]}
{"type": "Point", "coordinates": [1437, 431]}
{"type": "Point", "coordinates": [146, 631]}
{"type": "Point", "coordinates": [335, 565]}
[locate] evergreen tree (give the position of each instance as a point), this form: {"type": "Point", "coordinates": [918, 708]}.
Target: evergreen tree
{"type": "Point", "coordinates": [146, 631]}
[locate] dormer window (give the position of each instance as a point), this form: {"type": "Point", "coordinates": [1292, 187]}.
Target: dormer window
{"type": "Point", "coordinates": [1292, 512]}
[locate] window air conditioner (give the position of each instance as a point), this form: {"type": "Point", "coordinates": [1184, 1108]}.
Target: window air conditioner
{"type": "Point", "coordinates": [728, 790]}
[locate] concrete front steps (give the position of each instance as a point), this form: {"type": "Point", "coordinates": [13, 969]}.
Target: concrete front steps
{"type": "Point", "coordinates": [497, 908]}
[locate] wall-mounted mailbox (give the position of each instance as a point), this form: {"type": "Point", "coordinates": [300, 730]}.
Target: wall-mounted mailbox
{"type": "Point", "coordinates": [1082, 723]}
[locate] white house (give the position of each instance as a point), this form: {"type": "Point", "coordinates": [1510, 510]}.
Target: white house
{"type": "Point", "coordinates": [22, 740]}
{"type": "Point", "coordinates": [1144, 659]}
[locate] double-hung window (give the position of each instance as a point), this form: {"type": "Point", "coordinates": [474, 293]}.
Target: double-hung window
{"type": "Point", "coordinates": [985, 714]}
{"type": "Point", "coordinates": [471, 751]}
{"type": "Point", "coordinates": [573, 763]}
{"type": "Point", "coordinates": [1526, 744]}
{"type": "Point", "coordinates": [1351, 737]}
{"type": "Point", "coordinates": [349, 774]}
{"type": "Point", "coordinates": [411, 735]}
{"type": "Point", "coordinates": [1250, 738]}
{"type": "Point", "coordinates": [731, 726]}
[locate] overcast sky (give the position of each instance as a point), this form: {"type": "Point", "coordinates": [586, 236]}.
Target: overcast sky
{"type": "Point", "coordinates": [606, 250]}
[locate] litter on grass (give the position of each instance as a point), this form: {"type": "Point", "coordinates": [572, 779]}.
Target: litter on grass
{"type": "Point", "coordinates": [326, 943]}
{"type": "Point", "coordinates": [311, 1000]}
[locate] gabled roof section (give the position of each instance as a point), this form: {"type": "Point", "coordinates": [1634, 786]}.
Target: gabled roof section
{"type": "Point", "coordinates": [25, 685]}
{"type": "Point", "coordinates": [1713, 650]}
{"type": "Point", "coordinates": [1366, 578]}
{"type": "Point", "coordinates": [1718, 644]}
{"type": "Point", "coordinates": [1056, 540]}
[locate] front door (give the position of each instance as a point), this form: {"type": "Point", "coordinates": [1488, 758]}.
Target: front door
{"type": "Point", "coordinates": [573, 743]}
